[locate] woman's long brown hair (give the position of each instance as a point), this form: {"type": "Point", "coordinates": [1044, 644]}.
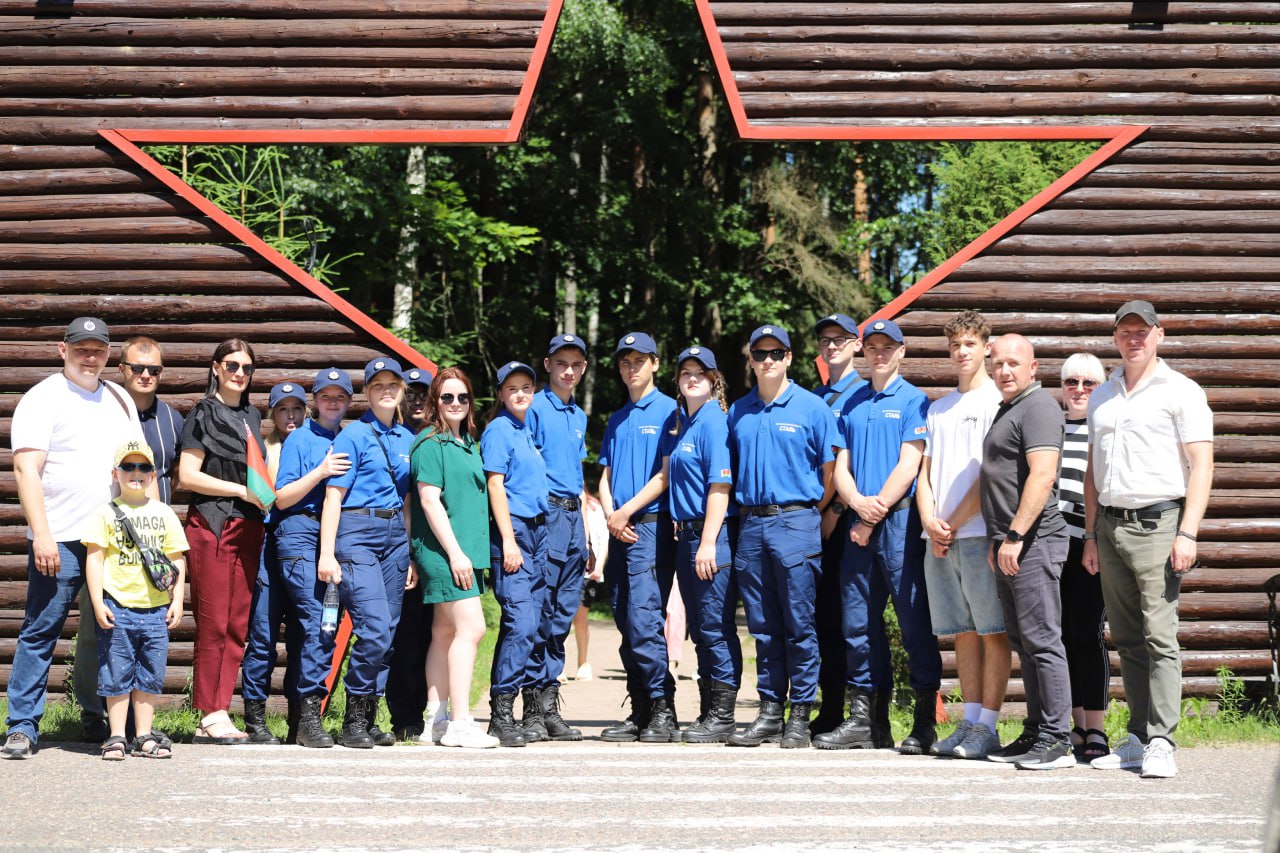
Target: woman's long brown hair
{"type": "Point", "coordinates": [435, 417]}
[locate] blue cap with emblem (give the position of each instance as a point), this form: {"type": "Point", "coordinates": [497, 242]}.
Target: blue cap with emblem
{"type": "Point", "coordinates": [559, 342]}
{"type": "Point", "coordinates": [284, 391]}
{"type": "Point", "coordinates": [636, 342]}
{"type": "Point", "coordinates": [888, 328]}
{"type": "Point", "coordinates": [419, 376]}
{"type": "Point", "coordinates": [332, 377]}
{"type": "Point", "coordinates": [515, 367]}
{"type": "Point", "coordinates": [702, 355]}
{"type": "Point", "coordinates": [380, 365]}
{"type": "Point", "coordinates": [844, 321]}
{"type": "Point", "coordinates": [776, 332]}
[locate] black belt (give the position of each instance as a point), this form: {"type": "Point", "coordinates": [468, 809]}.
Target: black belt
{"type": "Point", "coordinates": [1146, 513]}
{"type": "Point", "coordinates": [533, 521]}
{"type": "Point", "coordinates": [903, 503]}
{"type": "Point", "coordinates": [647, 518]}
{"type": "Point", "coordinates": [773, 509]}
{"type": "Point", "coordinates": [311, 515]}
{"type": "Point", "coordinates": [691, 524]}
{"type": "Point", "coordinates": [376, 513]}
{"type": "Point", "coordinates": [571, 504]}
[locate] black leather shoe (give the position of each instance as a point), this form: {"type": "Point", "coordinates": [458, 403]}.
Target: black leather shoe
{"type": "Point", "coordinates": [717, 724]}
{"type": "Point", "coordinates": [796, 734]}
{"type": "Point", "coordinates": [502, 722]}
{"type": "Point", "coordinates": [662, 727]}
{"type": "Point", "coordinates": [765, 728]}
{"type": "Point", "coordinates": [95, 729]}
{"type": "Point", "coordinates": [311, 732]}
{"type": "Point", "coordinates": [557, 728]}
{"type": "Point", "coordinates": [535, 728]}
{"type": "Point", "coordinates": [629, 729]}
{"type": "Point", "coordinates": [923, 732]}
{"type": "Point", "coordinates": [355, 723]}
{"type": "Point", "coordinates": [255, 723]}
{"type": "Point", "coordinates": [853, 733]}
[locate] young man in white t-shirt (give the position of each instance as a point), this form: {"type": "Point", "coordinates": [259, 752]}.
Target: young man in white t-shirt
{"type": "Point", "coordinates": [963, 602]}
{"type": "Point", "coordinates": [64, 435]}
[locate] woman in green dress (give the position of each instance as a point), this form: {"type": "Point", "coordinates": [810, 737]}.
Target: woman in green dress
{"type": "Point", "coordinates": [449, 539]}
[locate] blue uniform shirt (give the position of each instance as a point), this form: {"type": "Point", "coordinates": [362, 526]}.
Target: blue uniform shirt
{"type": "Point", "coordinates": [303, 450]}
{"type": "Point", "coordinates": [699, 457]}
{"type": "Point", "coordinates": [162, 428]}
{"type": "Point", "coordinates": [632, 446]}
{"type": "Point", "coordinates": [837, 396]}
{"type": "Point", "coordinates": [368, 481]}
{"type": "Point", "coordinates": [508, 449]}
{"type": "Point", "coordinates": [876, 425]}
{"type": "Point", "coordinates": [781, 447]}
{"type": "Point", "coordinates": [560, 432]}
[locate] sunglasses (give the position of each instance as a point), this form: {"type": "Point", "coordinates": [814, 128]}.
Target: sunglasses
{"type": "Point", "coordinates": [447, 399]}
{"type": "Point", "coordinates": [237, 367]}
{"type": "Point", "coordinates": [130, 467]}
{"type": "Point", "coordinates": [833, 342]}
{"type": "Point", "coordinates": [1087, 384]}
{"type": "Point", "coordinates": [762, 355]}
{"type": "Point", "coordinates": [149, 369]}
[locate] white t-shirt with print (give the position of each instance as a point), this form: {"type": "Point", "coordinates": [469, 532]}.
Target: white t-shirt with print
{"type": "Point", "coordinates": [957, 425]}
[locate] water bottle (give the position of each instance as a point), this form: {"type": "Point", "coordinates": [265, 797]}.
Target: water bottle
{"type": "Point", "coordinates": [329, 618]}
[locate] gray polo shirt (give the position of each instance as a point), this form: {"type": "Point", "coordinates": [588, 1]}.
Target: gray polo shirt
{"type": "Point", "coordinates": [1031, 421]}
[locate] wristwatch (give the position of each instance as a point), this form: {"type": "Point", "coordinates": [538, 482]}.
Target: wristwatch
{"type": "Point", "coordinates": [1012, 536]}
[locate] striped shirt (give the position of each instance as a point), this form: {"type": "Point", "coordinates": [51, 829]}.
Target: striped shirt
{"type": "Point", "coordinates": [1075, 461]}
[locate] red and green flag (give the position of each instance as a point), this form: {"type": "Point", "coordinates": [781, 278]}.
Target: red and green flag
{"type": "Point", "coordinates": [258, 479]}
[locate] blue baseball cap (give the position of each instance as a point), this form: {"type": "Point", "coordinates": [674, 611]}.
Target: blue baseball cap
{"type": "Point", "coordinates": [419, 376]}
{"type": "Point", "coordinates": [637, 342]}
{"type": "Point", "coordinates": [515, 367]}
{"type": "Point", "coordinates": [332, 377]}
{"type": "Point", "coordinates": [379, 365]}
{"type": "Point", "coordinates": [284, 391]}
{"type": "Point", "coordinates": [702, 355]}
{"type": "Point", "coordinates": [844, 321]}
{"type": "Point", "coordinates": [888, 328]}
{"type": "Point", "coordinates": [771, 332]}
{"type": "Point", "coordinates": [559, 342]}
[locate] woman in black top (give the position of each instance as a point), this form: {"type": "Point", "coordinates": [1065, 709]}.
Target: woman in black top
{"type": "Point", "coordinates": [224, 529]}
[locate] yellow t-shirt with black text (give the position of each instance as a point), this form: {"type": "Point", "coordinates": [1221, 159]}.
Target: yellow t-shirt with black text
{"type": "Point", "coordinates": [124, 577]}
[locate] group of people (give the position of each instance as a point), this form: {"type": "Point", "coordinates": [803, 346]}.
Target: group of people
{"type": "Point", "coordinates": [989, 515]}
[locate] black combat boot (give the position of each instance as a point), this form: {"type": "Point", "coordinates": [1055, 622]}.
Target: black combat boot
{"type": "Point", "coordinates": [502, 720]}
{"type": "Point", "coordinates": [854, 732]}
{"type": "Point", "coordinates": [662, 727]}
{"type": "Point", "coordinates": [295, 709]}
{"type": "Point", "coordinates": [629, 729]}
{"type": "Point", "coordinates": [355, 722]}
{"type": "Point", "coordinates": [704, 700]}
{"type": "Point", "coordinates": [830, 712]}
{"type": "Point", "coordinates": [557, 728]}
{"type": "Point", "coordinates": [380, 738]}
{"type": "Point", "coordinates": [717, 724]}
{"type": "Point", "coordinates": [535, 728]}
{"type": "Point", "coordinates": [922, 729]}
{"type": "Point", "coordinates": [796, 734]}
{"type": "Point", "coordinates": [311, 731]}
{"type": "Point", "coordinates": [765, 728]}
{"type": "Point", "coordinates": [255, 723]}
{"type": "Point", "coordinates": [881, 729]}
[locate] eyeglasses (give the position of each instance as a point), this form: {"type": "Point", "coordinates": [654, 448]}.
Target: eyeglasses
{"type": "Point", "coordinates": [237, 367]}
{"type": "Point", "coordinates": [833, 342]}
{"type": "Point", "coordinates": [761, 355]}
{"type": "Point", "coordinates": [447, 399]}
{"type": "Point", "coordinates": [130, 467]}
{"type": "Point", "coordinates": [149, 369]}
{"type": "Point", "coordinates": [1087, 384]}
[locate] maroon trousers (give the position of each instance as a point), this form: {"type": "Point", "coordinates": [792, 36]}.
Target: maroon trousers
{"type": "Point", "coordinates": [223, 570]}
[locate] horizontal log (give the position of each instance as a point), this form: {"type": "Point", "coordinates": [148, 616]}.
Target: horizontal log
{"type": "Point", "coordinates": [1237, 554]}
{"type": "Point", "coordinates": [935, 32]}
{"type": "Point", "coordinates": [129, 255]}
{"type": "Point", "coordinates": [44, 156]}
{"type": "Point", "coordinates": [1150, 198]}
{"type": "Point", "coordinates": [1170, 176]}
{"type": "Point", "coordinates": [161, 309]}
{"type": "Point", "coordinates": [1103, 346]}
{"type": "Point", "coordinates": [1070, 221]}
{"type": "Point", "coordinates": [179, 356]}
{"type": "Point", "coordinates": [1232, 475]}
{"type": "Point", "coordinates": [1228, 580]}
{"type": "Point", "coordinates": [394, 107]}
{"type": "Point", "coordinates": [1238, 372]}
{"type": "Point", "coordinates": [1099, 324]}
{"type": "Point", "coordinates": [1242, 663]}
{"type": "Point", "coordinates": [1199, 154]}
{"type": "Point", "coordinates": [347, 32]}
{"type": "Point", "coordinates": [1240, 529]}
{"type": "Point", "coordinates": [128, 281]}
{"type": "Point", "coordinates": [86, 129]}
{"type": "Point", "coordinates": [29, 181]}
{"type": "Point", "coordinates": [50, 206]}
{"type": "Point", "coordinates": [1102, 268]}
{"type": "Point", "coordinates": [1253, 503]}
{"type": "Point", "coordinates": [509, 9]}
{"type": "Point", "coordinates": [184, 81]}
{"type": "Point", "coordinates": [509, 58]}
{"type": "Point", "coordinates": [1052, 293]}
{"type": "Point", "coordinates": [729, 14]}
{"type": "Point", "coordinates": [266, 330]}
{"type": "Point", "coordinates": [139, 229]}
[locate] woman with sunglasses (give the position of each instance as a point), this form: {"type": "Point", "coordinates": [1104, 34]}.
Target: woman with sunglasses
{"type": "Point", "coordinates": [364, 545]}
{"type": "Point", "coordinates": [224, 529]}
{"type": "Point", "coordinates": [1082, 607]}
{"type": "Point", "coordinates": [449, 525]}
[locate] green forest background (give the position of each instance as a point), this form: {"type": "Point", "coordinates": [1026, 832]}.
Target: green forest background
{"type": "Point", "coordinates": [630, 204]}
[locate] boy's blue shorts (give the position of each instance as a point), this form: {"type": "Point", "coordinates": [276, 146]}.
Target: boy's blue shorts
{"type": "Point", "coordinates": [132, 655]}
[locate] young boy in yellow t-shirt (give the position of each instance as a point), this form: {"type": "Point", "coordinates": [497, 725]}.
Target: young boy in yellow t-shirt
{"type": "Point", "coordinates": [133, 616]}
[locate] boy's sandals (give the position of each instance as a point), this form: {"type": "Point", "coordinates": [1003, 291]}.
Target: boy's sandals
{"type": "Point", "coordinates": [153, 745]}
{"type": "Point", "coordinates": [113, 748]}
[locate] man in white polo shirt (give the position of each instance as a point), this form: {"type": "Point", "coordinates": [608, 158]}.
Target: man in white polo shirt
{"type": "Point", "coordinates": [1150, 470]}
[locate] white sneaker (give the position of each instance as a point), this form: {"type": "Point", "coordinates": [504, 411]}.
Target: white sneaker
{"type": "Point", "coordinates": [1157, 760]}
{"type": "Point", "coordinates": [466, 734]}
{"type": "Point", "coordinates": [1126, 756]}
{"type": "Point", "coordinates": [947, 746]}
{"type": "Point", "coordinates": [438, 729]}
{"type": "Point", "coordinates": [584, 673]}
{"type": "Point", "coordinates": [978, 744]}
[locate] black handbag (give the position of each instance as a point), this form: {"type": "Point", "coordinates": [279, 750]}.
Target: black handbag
{"type": "Point", "coordinates": [161, 571]}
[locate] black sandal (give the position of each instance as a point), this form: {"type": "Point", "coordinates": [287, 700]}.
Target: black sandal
{"type": "Point", "coordinates": [153, 745]}
{"type": "Point", "coordinates": [1094, 749]}
{"type": "Point", "coordinates": [113, 748]}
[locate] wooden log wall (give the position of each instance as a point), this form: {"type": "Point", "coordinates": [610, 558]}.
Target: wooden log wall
{"type": "Point", "coordinates": [1186, 216]}
{"type": "Point", "coordinates": [85, 230]}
